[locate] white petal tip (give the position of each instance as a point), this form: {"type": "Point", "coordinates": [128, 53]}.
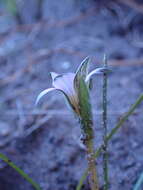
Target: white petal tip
{"type": "Point", "coordinates": [97, 71]}
{"type": "Point", "coordinates": [54, 75]}
{"type": "Point", "coordinates": [37, 101]}
{"type": "Point", "coordinates": [87, 59]}
{"type": "Point", "coordinates": [43, 93]}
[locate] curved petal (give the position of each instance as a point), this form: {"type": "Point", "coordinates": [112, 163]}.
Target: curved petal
{"type": "Point", "coordinates": [83, 67]}
{"type": "Point", "coordinates": [54, 75]}
{"type": "Point", "coordinates": [65, 83]}
{"type": "Point", "coordinates": [82, 71]}
{"type": "Point", "coordinates": [96, 71]}
{"type": "Point", "coordinates": [43, 93]}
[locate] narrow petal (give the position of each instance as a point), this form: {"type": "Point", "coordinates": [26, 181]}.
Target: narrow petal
{"type": "Point", "coordinates": [43, 93]}
{"type": "Point", "coordinates": [54, 75]}
{"type": "Point", "coordinates": [82, 71]}
{"type": "Point", "coordinates": [83, 67]}
{"type": "Point", "coordinates": [65, 83]}
{"type": "Point", "coordinates": [96, 71]}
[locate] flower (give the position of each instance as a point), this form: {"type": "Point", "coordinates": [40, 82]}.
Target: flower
{"type": "Point", "coordinates": [68, 84]}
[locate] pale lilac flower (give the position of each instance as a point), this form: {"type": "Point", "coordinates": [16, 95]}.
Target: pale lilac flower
{"type": "Point", "coordinates": [68, 83]}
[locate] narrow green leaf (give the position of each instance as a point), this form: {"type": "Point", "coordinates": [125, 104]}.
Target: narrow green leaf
{"type": "Point", "coordinates": [139, 183]}
{"type": "Point", "coordinates": [80, 183]}
{"type": "Point", "coordinates": [20, 171]}
{"type": "Point", "coordinates": [85, 107]}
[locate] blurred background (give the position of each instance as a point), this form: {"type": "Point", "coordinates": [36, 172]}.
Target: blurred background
{"type": "Point", "coordinates": [39, 36]}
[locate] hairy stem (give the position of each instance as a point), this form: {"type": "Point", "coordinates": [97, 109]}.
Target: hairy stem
{"type": "Point", "coordinates": [86, 122]}
{"type": "Point", "coordinates": [88, 142]}
{"type": "Point", "coordinates": [91, 165]}
{"type": "Point", "coordinates": [105, 147]}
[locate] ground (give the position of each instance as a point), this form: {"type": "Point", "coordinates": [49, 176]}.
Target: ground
{"type": "Point", "coordinates": [44, 140]}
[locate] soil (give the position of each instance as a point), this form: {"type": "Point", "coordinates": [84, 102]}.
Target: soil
{"type": "Point", "coordinates": [44, 141]}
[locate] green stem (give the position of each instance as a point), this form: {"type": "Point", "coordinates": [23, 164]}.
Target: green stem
{"type": "Point", "coordinates": [111, 134]}
{"type": "Point", "coordinates": [20, 171]}
{"type": "Point", "coordinates": [86, 122]}
{"type": "Point", "coordinates": [88, 142]}
{"type": "Point", "coordinates": [139, 183]}
{"type": "Point", "coordinates": [91, 166]}
{"type": "Point", "coordinates": [105, 147]}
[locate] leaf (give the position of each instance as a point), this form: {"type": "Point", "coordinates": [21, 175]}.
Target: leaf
{"type": "Point", "coordinates": [97, 71]}
{"type": "Point", "coordinates": [139, 183]}
{"type": "Point", "coordinates": [85, 107]}
{"type": "Point", "coordinates": [43, 93]}
{"type": "Point", "coordinates": [20, 171]}
{"type": "Point", "coordinates": [54, 75]}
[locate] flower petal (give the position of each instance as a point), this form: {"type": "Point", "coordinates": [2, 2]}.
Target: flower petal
{"type": "Point", "coordinates": [65, 83]}
{"type": "Point", "coordinates": [43, 93]}
{"type": "Point", "coordinates": [82, 71]}
{"type": "Point", "coordinates": [83, 67]}
{"type": "Point", "coordinates": [54, 75]}
{"type": "Point", "coordinates": [96, 71]}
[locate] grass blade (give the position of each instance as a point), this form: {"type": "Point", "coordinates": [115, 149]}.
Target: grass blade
{"type": "Point", "coordinates": [139, 183]}
{"type": "Point", "coordinates": [20, 171]}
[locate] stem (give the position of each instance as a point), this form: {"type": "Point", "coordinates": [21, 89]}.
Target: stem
{"type": "Point", "coordinates": [105, 143]}
{"type": "Point", "coordinates": [139, 183]}
{"type": "Point", "coordinates": [111, 134]}
{"type": "Point", "coordinates": [91, 165]}
{"type": "Point", "coordinates": [86, 122]}
{"type": "Point", "coordinates": [88, 142]}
